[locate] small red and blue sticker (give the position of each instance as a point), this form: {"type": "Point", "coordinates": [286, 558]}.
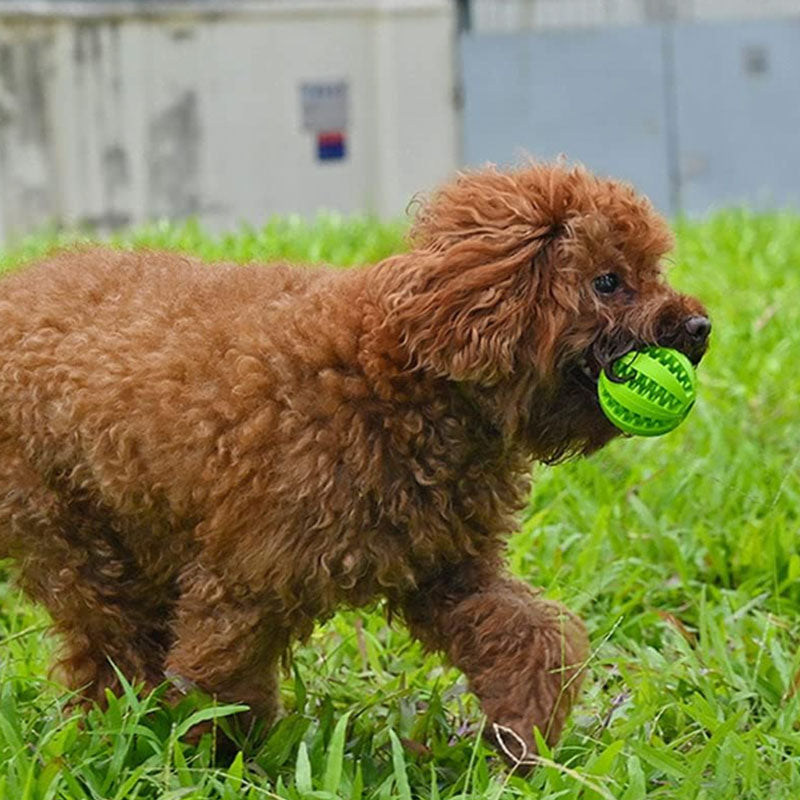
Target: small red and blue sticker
{"type": "Point", "coordinates": [331, 145]}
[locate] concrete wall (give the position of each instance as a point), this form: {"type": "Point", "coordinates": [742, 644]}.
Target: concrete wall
{"type": "Point", "coordinates": [696, 115]}
{"type": "Point", "coordinates": [112, 114]}
{"type": "Point", "coordinates": [521, 15]}
{"type": "Point", "coordinates": [597, 97]}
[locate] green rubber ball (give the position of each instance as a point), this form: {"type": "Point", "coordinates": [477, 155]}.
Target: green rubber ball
{"type": "Point", "coordinates": [656, 393]}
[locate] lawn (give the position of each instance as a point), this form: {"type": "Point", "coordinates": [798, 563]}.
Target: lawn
{"type": "Point", "coordinates": [681, 553]}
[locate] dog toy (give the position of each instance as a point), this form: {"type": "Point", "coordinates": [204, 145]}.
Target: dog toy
{"type": "Point", "coordinates": [650, 393]}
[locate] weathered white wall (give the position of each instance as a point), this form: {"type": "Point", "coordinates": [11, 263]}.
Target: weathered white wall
{"type": "Point", "coordinates": [111, 115]}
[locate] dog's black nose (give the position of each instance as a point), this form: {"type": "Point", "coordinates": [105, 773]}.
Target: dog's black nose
{"type": "Point", "coordinates": [698, 327]}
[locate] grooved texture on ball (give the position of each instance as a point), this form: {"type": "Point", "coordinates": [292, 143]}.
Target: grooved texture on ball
{"type": "Point", "coordinates": [656, 392]}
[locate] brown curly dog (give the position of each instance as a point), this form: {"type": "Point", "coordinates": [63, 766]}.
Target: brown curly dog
{"type": "Point", "coordinates": [199, 462]}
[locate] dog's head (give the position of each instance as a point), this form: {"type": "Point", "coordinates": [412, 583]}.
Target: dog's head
{"type": "Point", "coordinates": [525, 285]}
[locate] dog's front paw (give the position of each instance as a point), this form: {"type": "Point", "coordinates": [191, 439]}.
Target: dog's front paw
{"type": "Point", "coordinates": [536, 684]}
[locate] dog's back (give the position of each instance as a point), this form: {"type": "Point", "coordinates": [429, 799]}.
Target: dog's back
{"type": "Point", "coordinates": [117, 368]}
{"type": "Point", "coordinates": [115, 291]}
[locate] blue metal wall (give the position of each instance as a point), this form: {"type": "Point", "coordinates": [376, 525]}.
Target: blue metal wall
{"type": "Point", "coordinates": [696, 115]}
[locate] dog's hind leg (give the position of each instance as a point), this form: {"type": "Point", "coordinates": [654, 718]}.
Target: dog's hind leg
{"type": "Point", "coordinates": [522, 654]}
{"type": "Point", "coordinates": [70, 559]}
{"type": "Point", "coordinates": [227, 644]}
{"type": "Point", "coordinates": [105, 616]}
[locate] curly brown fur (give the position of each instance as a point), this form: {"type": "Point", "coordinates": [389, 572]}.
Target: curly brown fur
{"type": "Point", "coordinates": [198, 462]}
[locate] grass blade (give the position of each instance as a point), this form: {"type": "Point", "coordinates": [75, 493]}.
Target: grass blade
{"type": "Point", "coordinates": [334, 761]}
{"type": "Point", "coordinates": [399, 766]}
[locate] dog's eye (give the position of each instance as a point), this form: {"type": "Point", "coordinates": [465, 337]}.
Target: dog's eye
{"type": "Point", "coordinates": [606, 284]}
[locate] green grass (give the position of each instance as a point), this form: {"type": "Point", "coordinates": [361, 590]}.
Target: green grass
{"type": "Point", "coordinates": [681, 553]}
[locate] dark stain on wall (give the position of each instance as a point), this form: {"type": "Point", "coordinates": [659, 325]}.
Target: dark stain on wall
{"type": "Point", "coordinates": [115, 168]}
{"type": "Point", "coordinates": [173, 159]}
{"type": "Point", "coordinates": [87, 42]}
{"type": "Point", "coordinates": [32, 99]}
{"type": "Point", "coordinates": [26, 158]}
{"type": "Point", "coordinates": [7, 73]}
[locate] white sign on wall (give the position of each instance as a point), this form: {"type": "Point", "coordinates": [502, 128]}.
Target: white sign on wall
{"type": "Point", "coordinates": [324, 105]}
{"type": "Point", "coordinates": [324, 109]}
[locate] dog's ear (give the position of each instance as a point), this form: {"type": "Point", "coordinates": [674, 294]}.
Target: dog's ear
{"type": "Point", "coordinates": [469, 309]}
{"type": "Point", "coordinates": [469, 297]}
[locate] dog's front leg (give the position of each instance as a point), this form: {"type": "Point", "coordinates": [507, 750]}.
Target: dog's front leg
{"type": "Point", "coordinates": [521, 653]}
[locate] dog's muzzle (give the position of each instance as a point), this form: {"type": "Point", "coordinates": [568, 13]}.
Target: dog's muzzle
{"type": "Point", "coordinates": [690, 336]}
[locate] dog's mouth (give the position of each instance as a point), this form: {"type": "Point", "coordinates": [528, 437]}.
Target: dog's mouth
{"type": "Point", "coordinates": [599, 357]}
{"type": "Point", "coordinates": [588, 369]}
